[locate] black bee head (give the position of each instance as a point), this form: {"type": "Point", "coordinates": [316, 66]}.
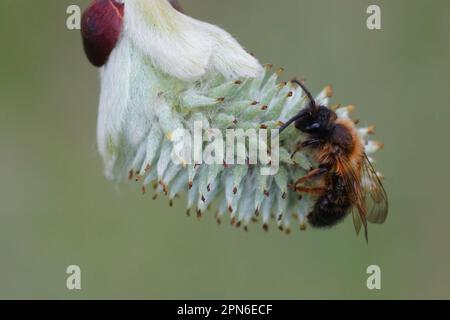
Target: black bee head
{"type": "Point", "coordinates": [315, 120]}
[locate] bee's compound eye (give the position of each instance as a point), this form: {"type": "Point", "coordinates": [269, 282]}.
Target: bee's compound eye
{"type": "Point", "coordinates": [314, 126]}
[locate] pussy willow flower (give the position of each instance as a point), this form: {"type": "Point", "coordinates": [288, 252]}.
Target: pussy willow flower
{"type": "Point", "coordinates": [167, 71]}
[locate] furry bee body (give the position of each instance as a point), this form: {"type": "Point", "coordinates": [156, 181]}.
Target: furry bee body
{"type": "Point", "coordinates": [332, 206]}
{"type": "Point", "coordinates": [339, 146]}
{"type": "Point", "coordinates": [339, 151]}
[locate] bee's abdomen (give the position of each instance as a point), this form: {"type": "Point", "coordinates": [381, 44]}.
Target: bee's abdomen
{"type": "Point", "coordinates": [331, 208]}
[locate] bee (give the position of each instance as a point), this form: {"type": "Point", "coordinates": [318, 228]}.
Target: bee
{"type": "Point", "coordinates": [347, 179]}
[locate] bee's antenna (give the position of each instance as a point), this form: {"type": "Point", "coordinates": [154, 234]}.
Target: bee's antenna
{"type": "Point", "coordinates": [289, 122]}
{"type": "Point", "coordinates": [313, 105]}
{"type": "Point", "coordinates": [308, 94]}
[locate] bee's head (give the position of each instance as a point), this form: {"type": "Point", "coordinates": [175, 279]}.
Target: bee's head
{"type": "Point", "coordinates": [315, 120]}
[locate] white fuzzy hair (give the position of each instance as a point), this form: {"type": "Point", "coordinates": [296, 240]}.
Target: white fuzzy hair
{"type": "Point", "coordinates": [183, 47]}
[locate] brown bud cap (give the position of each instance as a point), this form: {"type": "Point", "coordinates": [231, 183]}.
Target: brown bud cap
{"type": "Point", "coordinates": [101, 26]}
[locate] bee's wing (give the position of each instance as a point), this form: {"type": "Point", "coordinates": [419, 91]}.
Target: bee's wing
{"type": "Point", "coordinates": [356, 221]}
{"type": "Point", "coordinates": [375, 198]}
{"type": "Point", "coordinates": [353, 186]}
{"type": "Point", "coordinates": [366, 192]}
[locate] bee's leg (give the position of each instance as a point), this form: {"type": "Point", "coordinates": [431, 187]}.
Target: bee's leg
{"type": "Point", "coordinates": [304, 144]}
{"type": "Point", "coordinates": [312, 174]}
{"type": "Point", "coordinates": [310, 142]}
{"type": "Point", "coordinates": [313, 191]}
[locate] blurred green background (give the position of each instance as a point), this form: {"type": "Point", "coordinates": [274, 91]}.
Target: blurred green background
{"type": "Point", "coordinates": [57, 209]}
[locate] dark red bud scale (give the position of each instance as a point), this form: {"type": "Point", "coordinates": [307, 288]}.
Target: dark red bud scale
{"type": "Point", "coordinates": [101, 26]}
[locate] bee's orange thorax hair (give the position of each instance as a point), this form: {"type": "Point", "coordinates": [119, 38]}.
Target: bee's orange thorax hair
{"type": "Point", "coordinates": [350, 159]}
{"type": "Point", "coordinates": [356, 155]}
